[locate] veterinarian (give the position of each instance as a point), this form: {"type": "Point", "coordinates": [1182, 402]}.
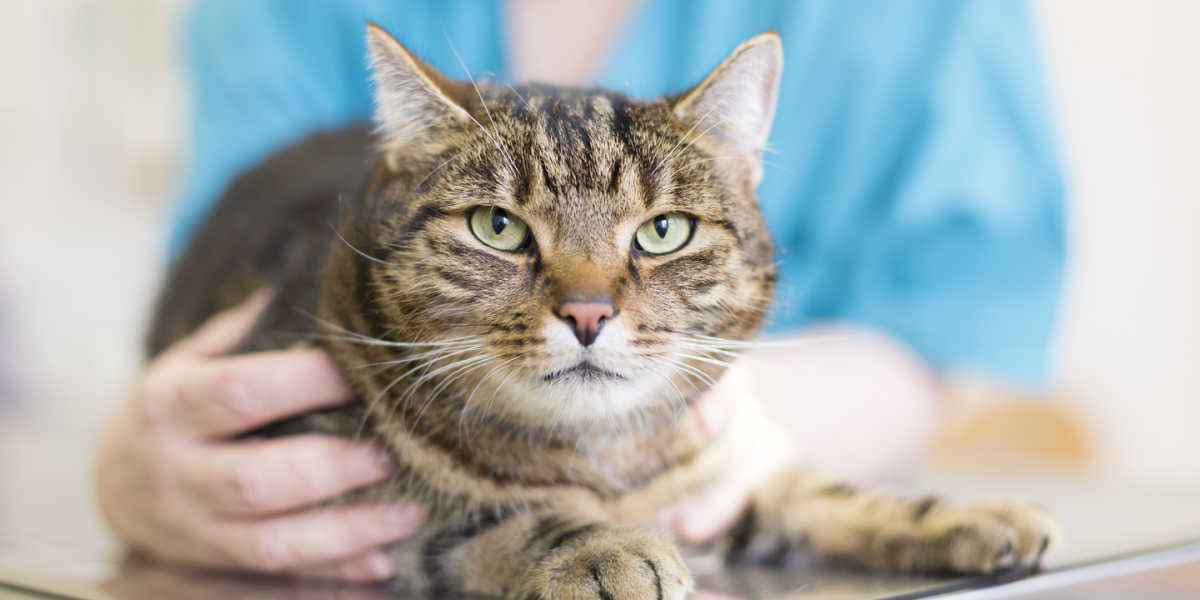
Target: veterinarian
{"type": "Point", "coordinates": [912, 188]}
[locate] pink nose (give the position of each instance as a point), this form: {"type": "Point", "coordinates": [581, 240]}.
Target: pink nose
{"type": "Point", "coordinates": [586, 318]}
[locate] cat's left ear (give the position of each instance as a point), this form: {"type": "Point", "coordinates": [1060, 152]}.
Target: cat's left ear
{"type": "Point", "coordinates": [735, 103]}
{"type": "Point", "coordinates": [415, 105]}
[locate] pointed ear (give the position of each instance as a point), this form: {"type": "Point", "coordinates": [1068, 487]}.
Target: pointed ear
{"type": "Point", "coordinates": [735, 104]}
{"type": "Point", "coordinates": [414, 103]}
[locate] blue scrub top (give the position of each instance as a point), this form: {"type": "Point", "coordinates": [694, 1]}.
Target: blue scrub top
{"type": "Point", "coordinates": [914, 184]}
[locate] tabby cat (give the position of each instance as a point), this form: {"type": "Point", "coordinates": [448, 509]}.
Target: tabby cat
{"type": "Point", "coordinates": [525, 287]}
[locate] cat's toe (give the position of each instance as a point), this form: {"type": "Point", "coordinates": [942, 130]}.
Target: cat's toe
{"type": "Point", "coordinates": [611, 565]}
{"type": "Point", "coordinates": [971, 546]}
{"type": "Point", "coordinates": [981, 539]}
{"type": "Point", "coordinates": [1036, 530]}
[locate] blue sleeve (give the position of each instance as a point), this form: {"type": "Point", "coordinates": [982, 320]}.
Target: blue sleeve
{"type": "Point", "coordinates": [930, 205]}
{"type": "Point", "coordinates": [262, 74]}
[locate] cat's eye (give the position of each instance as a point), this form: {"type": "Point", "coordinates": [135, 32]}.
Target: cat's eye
{"type": "Point", "coordinates": [665, 233]}
{"type": "Point", "coordinates": [497, 228]}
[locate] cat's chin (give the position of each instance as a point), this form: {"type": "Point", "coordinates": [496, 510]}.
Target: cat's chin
{"type": "Point", "coordinates": [582, 373]}
{"type": "Point", "coordinates": [598, 385]}
{"type": "Point", "coordinates": [579, 396]}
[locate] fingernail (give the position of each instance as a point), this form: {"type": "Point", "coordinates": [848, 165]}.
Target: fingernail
{"type": "Point", "coordinates": [379, 566]}
{"type": "Point", "coordinates": [377, 458]}
{"type": "Point", "coordinates": [404, 518]}
{"type": "Point", "coordinates": [382, 457]}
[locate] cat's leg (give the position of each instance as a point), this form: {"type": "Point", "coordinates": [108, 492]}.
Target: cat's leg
{"type": "Point", "coordinates": [545, 555]}
{"type": "Point", "coordinates": [798, 509]}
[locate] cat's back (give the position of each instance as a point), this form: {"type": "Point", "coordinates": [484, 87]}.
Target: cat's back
{"type": "Point", "coordinates": [270, 227]}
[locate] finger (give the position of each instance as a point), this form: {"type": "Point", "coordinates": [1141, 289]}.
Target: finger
{"type": "Point", "coordinates": [700, 518]}
{"type": "Point", "coordinates": [765, 448]}
{"type": "Point", "coordinates": [221, 332]}
{"type": "Point", "coordinates": [371, 566]}
{"type": "Point", "coordinates": [713, 412]}
{"type": "Point", "coordinates": [715, 408]}
{"type": "Point", "coordinates": [227, 396]}
{"type": "Point", "coordinates": [316, 536]}
{"type": "Point", "coordinates": [268, 477]}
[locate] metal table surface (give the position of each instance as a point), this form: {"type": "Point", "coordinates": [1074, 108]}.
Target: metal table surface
{"type": "Point", "coordinates": [52, 544]}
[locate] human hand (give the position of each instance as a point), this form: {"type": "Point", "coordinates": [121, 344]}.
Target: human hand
{"type": "Point", "coordinates": [761, 446]}
{"type": "Point", "coordinates": [815, 396]}
{"type": "Point", "coordinates": [173, 481]}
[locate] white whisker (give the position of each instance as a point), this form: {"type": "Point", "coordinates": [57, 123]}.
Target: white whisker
{"type": "Point", "coordinates": [423, 366]}
{"type": "Point", "coordinates": [357, 251]}
{"type": "Point", "coordinates": [711, 361]}
{"type": "Point", "coordinates": [429, 375]}
{"type": "Point", "coordinates": [431, 172]}
{"type": "Point", "coordinates": [677, 149]}
{"type": "Point", "coordinates": [438, 353]}
{"type": "Point", "coordinates": [683, 366]}
{"type": "Point", "coordinates": [512, 163]}
{"type": "Point", "coordinates": [467, 401]}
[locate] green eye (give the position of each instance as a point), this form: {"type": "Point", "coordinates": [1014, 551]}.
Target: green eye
{"type": "Point", "coordinates": [498, 229]}
{"type": "Point", "coordinates": [664, 234]}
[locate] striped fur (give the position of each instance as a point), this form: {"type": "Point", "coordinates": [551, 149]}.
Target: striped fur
{"type": "Point", "coordinates": [540, 483]}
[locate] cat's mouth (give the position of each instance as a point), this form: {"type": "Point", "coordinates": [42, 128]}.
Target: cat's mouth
{"type": "Point", "coordinates": [583, 371]}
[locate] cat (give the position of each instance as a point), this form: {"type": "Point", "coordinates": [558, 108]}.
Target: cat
{"type": "Point", "coordinates": [526, 286]}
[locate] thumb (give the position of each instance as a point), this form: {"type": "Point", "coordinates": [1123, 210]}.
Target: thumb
{"type": "Point", "coordinates": [703, 516]}
{"type": "Point", "coordinates": [761, 447]}
{"type": "Point", "coordinates": [222, 332]}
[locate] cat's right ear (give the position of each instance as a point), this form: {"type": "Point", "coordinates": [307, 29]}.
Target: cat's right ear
{"type": "Point", "coordinates": [414, 103]}
{"type": "Point", "coordinates": [735, 103]}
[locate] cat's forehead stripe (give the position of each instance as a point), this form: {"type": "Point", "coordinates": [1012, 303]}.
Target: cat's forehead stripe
{"type": "Point", "coordinates": [580, 156]}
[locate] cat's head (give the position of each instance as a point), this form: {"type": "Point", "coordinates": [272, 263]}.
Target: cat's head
{"type": "Point", "coordinates": [565, 256]}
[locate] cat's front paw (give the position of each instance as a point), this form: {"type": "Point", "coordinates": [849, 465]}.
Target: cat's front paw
{"type": "Point", "coordinates": [984, 538]}
{"type": "Point", "coordinates": [610, 564]}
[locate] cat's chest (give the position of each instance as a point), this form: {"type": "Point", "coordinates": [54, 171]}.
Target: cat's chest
{"type": "Point", "coordinates": [619, 482]}
{"type": "Point", "coordinates": [455, 463]}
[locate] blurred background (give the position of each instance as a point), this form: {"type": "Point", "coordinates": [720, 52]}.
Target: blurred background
{"type": "Point", "coordinates": [91, 117]}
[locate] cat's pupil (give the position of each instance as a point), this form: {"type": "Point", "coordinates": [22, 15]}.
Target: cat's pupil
{"type": "Point", "coordinates": [660, 226]}
{"type": "Point", "coordinates": [499, 221]}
